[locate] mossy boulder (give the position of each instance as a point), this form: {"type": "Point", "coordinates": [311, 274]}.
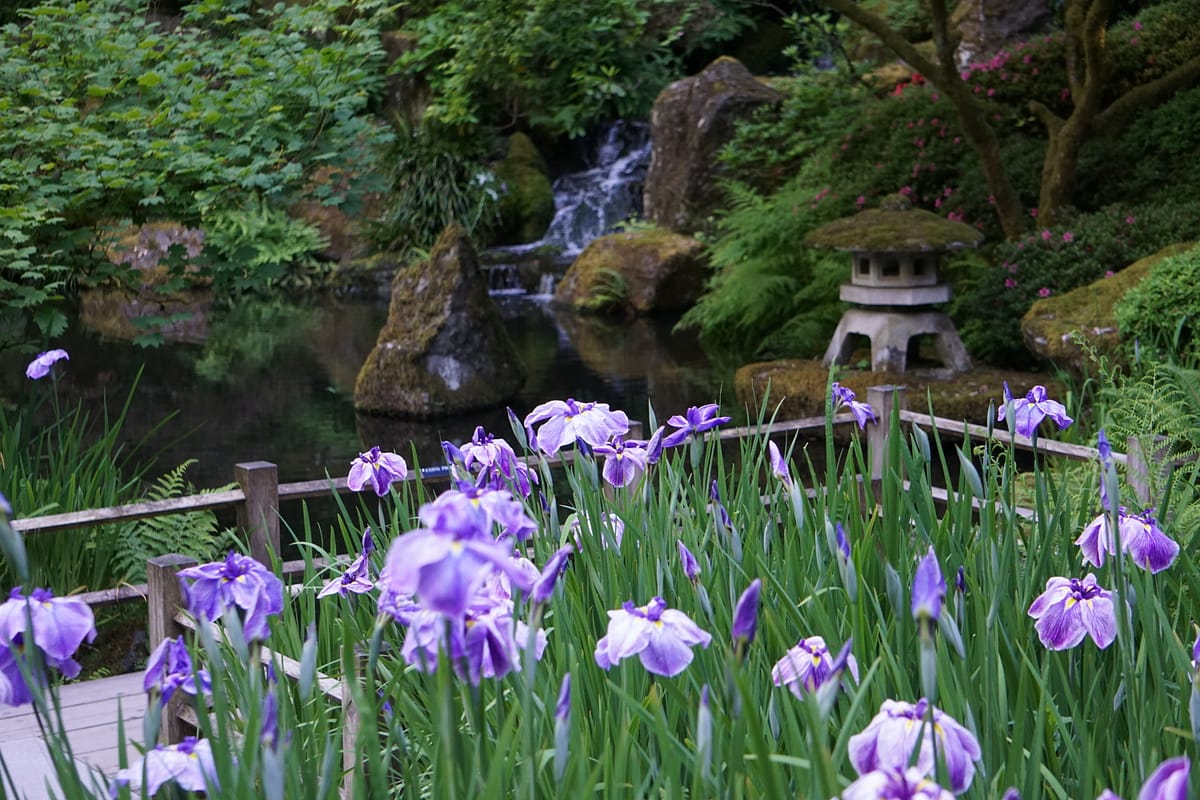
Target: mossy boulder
{"type": "Point", "coordinates": [636, 272]}
{"type": "Point", "coordinates": [526, 206]}
{"type": "Point", "coordinates": [444, 349]}
{"type": "Point", "coordinates": [692, 119]}
{"type": "Point", "coordinates": [1050, 323]}
{"type": "Point", "coordinates": [797, 388]}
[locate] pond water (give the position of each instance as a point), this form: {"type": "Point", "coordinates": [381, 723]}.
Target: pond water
{"type": "Point", "coordinates": [274, 382]}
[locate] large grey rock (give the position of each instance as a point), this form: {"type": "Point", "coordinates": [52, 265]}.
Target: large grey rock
{"type": "Point", "coordinates": [692, 119]}
{"type": "Point", "coordinates": [444, 349]}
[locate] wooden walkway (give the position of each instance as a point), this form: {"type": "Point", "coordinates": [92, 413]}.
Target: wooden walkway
{"type": "Point", "coordinates": [89, 711]}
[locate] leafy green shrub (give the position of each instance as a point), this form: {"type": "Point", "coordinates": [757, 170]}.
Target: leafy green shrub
{"type": "Point", "coordinates": [1161, 313]}
{"type": "Point", "coordinates": [435, 178]}
{"type": "Point", "coordinates": [109, 117]}
{"type": "Point", "coordinates": [559, 67]}
{"type": "Point", "coordinates": [258, 245]}
{"type": "Point", "coordinates": [1153, 157]}
{"type": "Point", "coordinates": [990, 299]}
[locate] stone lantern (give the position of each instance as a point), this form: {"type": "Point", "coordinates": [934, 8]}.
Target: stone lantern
{"type": "Point", "coordinates": [895, 252]}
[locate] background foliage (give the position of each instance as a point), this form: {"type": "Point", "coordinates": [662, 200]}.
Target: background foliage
{"type": "Point", "coordinates": [111, 115]}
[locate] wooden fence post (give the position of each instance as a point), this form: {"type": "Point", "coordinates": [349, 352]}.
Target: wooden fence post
{"type": "Point", "coordinates": [258, 516]}
{"type": "Point", "coordinates": [882, 400]}
{"type": "Point", "coordinates": [164, 598]}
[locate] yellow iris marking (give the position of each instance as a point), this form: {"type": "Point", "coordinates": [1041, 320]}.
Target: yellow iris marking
{"type": "Point", "coordinates": [1070, 602]}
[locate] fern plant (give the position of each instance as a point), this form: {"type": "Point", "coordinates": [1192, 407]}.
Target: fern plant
{"type": "Point", "coordinates": [194, 533]}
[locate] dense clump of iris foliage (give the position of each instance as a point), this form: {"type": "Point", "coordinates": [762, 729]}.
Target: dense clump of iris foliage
{"type": "Point", "coordinates": [645, 621]}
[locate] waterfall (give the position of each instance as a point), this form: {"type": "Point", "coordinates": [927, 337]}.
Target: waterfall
{"type": "Point", "coordinates": [589, 204]}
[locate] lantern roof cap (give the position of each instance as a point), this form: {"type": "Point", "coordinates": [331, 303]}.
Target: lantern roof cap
{"type": "Point", "coordinates": [894, 227]}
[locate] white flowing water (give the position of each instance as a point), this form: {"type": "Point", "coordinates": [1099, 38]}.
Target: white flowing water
{"type": "Point", "coordinates": [590, 203]}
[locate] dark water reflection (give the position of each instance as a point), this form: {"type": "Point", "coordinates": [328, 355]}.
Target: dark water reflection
{"type": "Point", "coordinates": [275, 383]}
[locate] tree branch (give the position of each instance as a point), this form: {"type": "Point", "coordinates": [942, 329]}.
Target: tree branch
{"type": "Point", "coordinates": [889, 37]}
{"type": "Point", "coordinates": [1121, 110]}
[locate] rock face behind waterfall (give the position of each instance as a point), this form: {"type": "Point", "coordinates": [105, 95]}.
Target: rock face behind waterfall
{"type": "Point", "coordinates": [444, 349]}
{"type": "Point", "coordinates": [691, 121]}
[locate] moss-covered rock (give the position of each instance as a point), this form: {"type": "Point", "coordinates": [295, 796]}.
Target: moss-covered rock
{"type": "Point", "coordinates": [692, 119]}
{"type": "Point", "coordinates": [894, 227]}
{"type": "Point", "coordinates": [526, 206]}
{"type": "Point", "coordinates": [444, 348]}
{"type": "Point", "coordinates": [637, 272]}
{"type": "Point", "coordinates": [1048, 326]}
{"type": "Point", "coordinates": [797, 388]}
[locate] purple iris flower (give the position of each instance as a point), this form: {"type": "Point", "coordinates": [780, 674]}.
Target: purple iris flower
{"type": "Point", "coordinates": [693, 421]}
{"type": "Point", "coordinates": [843, 544]}
{"type": "Point", "coordinates": [170, 668]}
{"type": "Point", "coordinates": [1147, 545]}
{"type": "Point", "coordinates": [188, 764]}
{"type": "Point", "coordinates": [543, 587]}
{"type": "Point", "coordinates": [889, 739]}
{"type": "Point", "coordinates": [237, 582]}
{"type": "Point", "coordinates": [446, 562]}
{"type": "Point", "coordinates": [1029, 411]}
{"type": "Point", "coordinates": [809, 665]}
{"type": "Point", "coordinates": [1071, 609]}
{"type": "Point", "coordinates": [562, 709]}
{"type": "Point", "coordinates": [691, 567]}
{"type": "Point", "coordinates": [928, 589]}
{"type": "Point", "coordinates": [661, 637]}
{"type": "Point", "coordinates": [489, 506]}
{"type": "Point", "coordinates": [565, 422]}
{"type": "Point", "coordinates": [357, 577]}
{"type": "Point", "coordinates": [623, 463]}
{"type": "Point", "coordinates": [779, 467]}
{"type": "Point", "coordinates": [488, 646]}
{"type": "Point", "coordinates": [13, 689]}
{"type": "Point", "coordinates": [40, 366]}
{"type": "Point", "coordinates": [714, 491]}
{"type": "Point", "coordinates": [483, 642]}
{"type": "Point", "coordinates": [843, 397]}
{"type": "Point", "coordinates": [1106, 462]}
{"type": "Point", "coordinates": [484, 449]}
{"type": "Point", "coordinates": [376, 469]}
{"type": "Point", "coordinates": [895, 783]}
{"type": "Point", "coordinates": [653, 446]}
{"type": "Point", "coordinates": [1168, 782]}
{"type": "Point", "coordinates": [59, 625]}
{"type": "Point", "coordinates": [745, 614]}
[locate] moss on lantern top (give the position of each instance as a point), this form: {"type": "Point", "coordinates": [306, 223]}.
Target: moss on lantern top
{"type": "Point", "coordinates": [894, 227]}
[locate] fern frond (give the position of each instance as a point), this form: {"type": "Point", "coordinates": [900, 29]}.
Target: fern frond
{"type": "Point", "coordinates": [194, 533]}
